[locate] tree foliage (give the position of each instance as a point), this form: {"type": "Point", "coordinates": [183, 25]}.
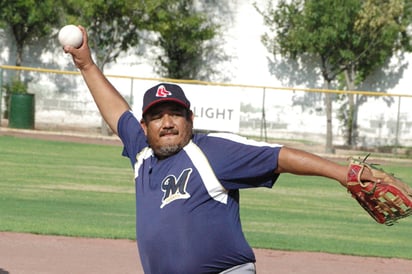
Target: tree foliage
{"type": "Point", "coordinates": [184, 30]}
{"type": "Point", "coordinates": [319, 29]}
{"type": "Point", "coordinates": [379, 31]}
{"type": "Point", "coordinates": [29, 21]}
{"type": "Point", "coordinates": [181, 31]}
{"type": "Point", "coordinates": [113, 25]}
{"type": "Point", "coordinates": [349, 38]}
{"type": "Point", "coordinates": [185, 33]}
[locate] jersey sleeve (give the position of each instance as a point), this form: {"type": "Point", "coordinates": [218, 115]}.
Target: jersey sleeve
{"type": "Point", "coordinates": [132, 135]}
{"type": "Point", "coordinates": [241, 163]}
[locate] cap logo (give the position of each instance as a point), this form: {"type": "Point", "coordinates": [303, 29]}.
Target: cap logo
{"type": "Point", "coordinates": [162, 92]}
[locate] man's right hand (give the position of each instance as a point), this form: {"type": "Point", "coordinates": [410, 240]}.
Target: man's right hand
{"type": "Point", "coordinates": [81, 56]}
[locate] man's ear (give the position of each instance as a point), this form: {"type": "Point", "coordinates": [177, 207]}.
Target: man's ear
{"type": "Point", "coordinates": [143, 125]}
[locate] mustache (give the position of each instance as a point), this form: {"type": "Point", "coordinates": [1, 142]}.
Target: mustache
{"type": "Point", "coordinates": [168, 132]}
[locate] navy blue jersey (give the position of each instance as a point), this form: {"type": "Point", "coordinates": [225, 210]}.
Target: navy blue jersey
{"type": "Point", "coordinates": [187, 205]}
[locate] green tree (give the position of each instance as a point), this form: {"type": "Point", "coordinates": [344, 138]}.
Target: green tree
{"type": "Point", "coordinates": [180, 28]}
{"type": "Point", "coordinates": [185, 33]}
{"type": "Point", "coordinates": [28, 21]}
{"type": "Point", "coordinates": [310, 30]}
{"type": "Point", "coordinates": [113, 25]}
{"type": "Point", "coordinates": [379, 31]}
{"type": "Point", "coordinates": [333, 36]}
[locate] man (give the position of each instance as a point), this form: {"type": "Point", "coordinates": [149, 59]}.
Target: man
{"type": "Point", "coordinates": [187, 185]}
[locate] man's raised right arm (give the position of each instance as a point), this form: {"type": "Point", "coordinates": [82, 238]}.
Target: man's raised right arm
{"type": "Point", "coordinates": [110, 102]}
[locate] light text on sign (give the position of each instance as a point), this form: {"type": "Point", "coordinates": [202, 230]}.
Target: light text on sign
{"type": "Point", "coordinates": [213, 113]}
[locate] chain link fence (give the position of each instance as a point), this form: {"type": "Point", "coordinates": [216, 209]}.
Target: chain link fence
{"type": "Point", "coordinates": [63, 102]}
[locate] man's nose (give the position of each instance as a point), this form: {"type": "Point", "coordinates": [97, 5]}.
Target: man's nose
{"type": "Point", "coordinates": [167, 120]}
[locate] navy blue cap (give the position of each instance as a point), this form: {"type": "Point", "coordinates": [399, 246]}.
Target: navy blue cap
{"type": "Point", "coordinates": [164, 92]}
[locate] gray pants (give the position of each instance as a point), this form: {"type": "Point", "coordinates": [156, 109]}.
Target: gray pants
{"type": "Point", "coordinates": [248, 268]}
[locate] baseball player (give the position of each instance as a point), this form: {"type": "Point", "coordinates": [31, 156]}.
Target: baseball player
{"type": "Point", "coordinates": [187, 185]}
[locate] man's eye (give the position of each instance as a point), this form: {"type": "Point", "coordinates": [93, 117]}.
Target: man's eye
{"type": "Point", "coordinates": [177, 113]}
{"type": "Point", "coordinates": [155, 116]}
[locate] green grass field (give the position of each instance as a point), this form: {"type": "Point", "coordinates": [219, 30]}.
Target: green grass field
{"type": "Point", "coordinates": [72, 189]}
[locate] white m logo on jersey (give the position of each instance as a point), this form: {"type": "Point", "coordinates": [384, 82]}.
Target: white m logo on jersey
{"type": "Point", "coordinates": [175, 188]}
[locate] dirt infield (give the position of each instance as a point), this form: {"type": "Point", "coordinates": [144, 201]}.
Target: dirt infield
{"type": "Point", "coordinates": [28, 253]}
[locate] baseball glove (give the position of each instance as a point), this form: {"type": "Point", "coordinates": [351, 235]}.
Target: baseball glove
{"type": "Point", "coordinates": [386, 200]}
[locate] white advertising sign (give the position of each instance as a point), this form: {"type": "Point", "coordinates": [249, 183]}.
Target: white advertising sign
{"type": "Point", "coordinates": [215, 108]}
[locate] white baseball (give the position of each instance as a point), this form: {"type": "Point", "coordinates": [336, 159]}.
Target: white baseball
{"type": "Point", "coordinates": [70, 35]}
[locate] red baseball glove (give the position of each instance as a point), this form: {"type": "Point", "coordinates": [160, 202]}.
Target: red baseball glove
{"type": "Point", "coordinates": [386, 200]}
